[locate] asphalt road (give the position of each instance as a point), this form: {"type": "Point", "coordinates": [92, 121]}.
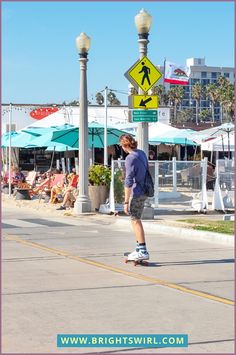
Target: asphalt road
{"type": "Point", "coordinates": [67, 275]}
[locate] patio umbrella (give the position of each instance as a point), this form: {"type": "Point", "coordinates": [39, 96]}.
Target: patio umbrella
{"type": "Point", "coordinates": [24, 139]}
{"type": "Point", "coordinates": [70, 136]}
{"type": "Point", "coordinates": [5, 138]}
{"type": "Point", "coordinates": [45, 139]}
{"type": "Point", "coordinates": [182, 137]}
{"type": "Point", "coordinates": [59, 148]}
{"type": "Point", "coordinates": [219, 144]}
{"type": "Point", "coordinates": [217, 131]}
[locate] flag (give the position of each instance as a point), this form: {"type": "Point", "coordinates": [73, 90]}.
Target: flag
{"type": "Point", "coordinates": [176, 74]}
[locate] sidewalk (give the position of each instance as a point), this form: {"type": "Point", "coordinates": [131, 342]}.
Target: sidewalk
{"type": "Point", "coordinates": [165, 222]}
{"type": "Point", "coordinates": [66, 274]}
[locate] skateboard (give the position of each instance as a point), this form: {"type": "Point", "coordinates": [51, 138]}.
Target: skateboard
{"type": "Point", "coordinates": [135, 262]}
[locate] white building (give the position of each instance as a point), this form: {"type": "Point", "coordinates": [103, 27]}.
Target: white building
{"type": "Point", "coordinates": [22, 116]}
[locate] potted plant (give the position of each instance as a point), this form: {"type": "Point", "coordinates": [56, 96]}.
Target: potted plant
{"type": "Point", "coordinates": [99, 177]}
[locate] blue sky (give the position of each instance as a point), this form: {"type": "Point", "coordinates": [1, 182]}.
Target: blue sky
{"type": "Point", "coordinates": [39, 58]}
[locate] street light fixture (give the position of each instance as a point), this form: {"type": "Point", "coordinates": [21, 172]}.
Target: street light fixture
{"type": "Point", "coordinates": [83, 203]}
{"type": "Point", "coordinates": [143, 21]}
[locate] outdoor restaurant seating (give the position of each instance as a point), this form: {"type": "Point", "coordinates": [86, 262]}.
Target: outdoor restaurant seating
{"type": "Point", "coordinates": [54, 180]}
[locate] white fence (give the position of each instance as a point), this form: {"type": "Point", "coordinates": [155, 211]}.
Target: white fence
{"type": "Point", "coordinates": [223, 198]}
{"type": "Point", "coordinates": [178, 183]}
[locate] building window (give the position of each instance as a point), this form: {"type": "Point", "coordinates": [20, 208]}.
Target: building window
{"type": "Point", "coordinates": [194, 81]}
{"type": "Point", "coordinates": [205, 103]}
{"type": "Point", "coordinates": [205, 81]}
{"type": "Point", "coordinates": [214, 75]}
{"type": "Point", "coordinates": [185, 103]}
{"type": "Point", "coordinates": [226, 75]}
{"type": "Point", "coordinates": [203, 74]}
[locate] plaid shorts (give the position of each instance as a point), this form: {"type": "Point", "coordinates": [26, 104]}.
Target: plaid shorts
{"type": "Point", "coordinates": [136, 207]}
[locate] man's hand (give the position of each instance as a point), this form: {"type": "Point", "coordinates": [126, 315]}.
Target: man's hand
{"type": "Point", "coordinates": [126, 208]}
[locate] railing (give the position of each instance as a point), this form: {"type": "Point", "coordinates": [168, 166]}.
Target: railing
{"type": "Point", "coordinates": [178, 181]}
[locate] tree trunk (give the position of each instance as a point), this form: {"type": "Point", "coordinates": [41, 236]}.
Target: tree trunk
{"type": "Point", "coordinates": [213, 112]}
{"type": "Point", "coordinates": [197, 104]}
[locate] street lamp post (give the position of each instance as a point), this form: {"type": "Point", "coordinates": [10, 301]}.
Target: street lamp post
{"type": "Point", "coordinates": [9, 145]}
{"type": "Point", "coordinates": [143, 23]}
{"type": "Point", "coordinates": [105, 129]}
{"type": "Point", "coordinates": [83, 203]}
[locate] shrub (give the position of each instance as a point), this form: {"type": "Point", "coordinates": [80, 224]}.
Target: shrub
{"type": "Point", "coordinates": [99, 175]}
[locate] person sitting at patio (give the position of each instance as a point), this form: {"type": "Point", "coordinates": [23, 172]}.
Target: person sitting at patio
{"type": "Point", "coordinates": [151, 155]}
{"type": "Point", "coordinates": [57, 190]}
{"type": "Point", "coordinates": [210, 176]}
{"type": "Point", "coordinates": [69, 193]}
{"type": "Point", "coordinates": [18, 177]}
{"type": "Point", "coordinates": [43, 181]}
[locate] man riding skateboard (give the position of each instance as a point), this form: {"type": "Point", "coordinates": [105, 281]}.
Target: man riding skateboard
{"type": "Point", "coordinates": [136, 165]}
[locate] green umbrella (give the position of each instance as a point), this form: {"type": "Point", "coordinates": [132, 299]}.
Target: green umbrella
{"type": "Point", "coordinates": [70, 136]}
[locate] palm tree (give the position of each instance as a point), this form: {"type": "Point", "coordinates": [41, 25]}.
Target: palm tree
{"type": "Point", "coordinates": [205, 114]}
{"type": "Point", "coordinates": [99, 98]}
{"type": "Point", "coordinates": [113, 100]}
{"type": "Point", "coordinates": [228, 104]}
{"type": "Point", "coordinates": [197, 93]}
{"type": "Point", "coordinates": [226, 96]}
{"type": "Point", "coordinates": [160, 91]}
{"type": "Point", "coordinates": [212, 92]}
{"type": "Point", "coordinates": [176, 95]}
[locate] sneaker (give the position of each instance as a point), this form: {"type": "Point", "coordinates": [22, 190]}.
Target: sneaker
{"type": "Point", "coordinates": [133, 255]}
{"type": "Point", "coordinates": [138, 255]}
{"type": "Point", "coordinates": [61, 208]}
{"type": "Point", "coordinates": [143, 255]}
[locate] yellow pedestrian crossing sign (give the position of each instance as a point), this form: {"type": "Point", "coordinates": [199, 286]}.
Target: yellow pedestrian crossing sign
{"type": "Point", "coordinates": [143, 74]}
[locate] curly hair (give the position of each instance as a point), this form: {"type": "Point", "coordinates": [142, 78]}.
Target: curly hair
{"type": "Point", "coordinates": [128, 141]}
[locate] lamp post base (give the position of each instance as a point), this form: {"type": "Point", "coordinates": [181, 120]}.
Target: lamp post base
{"type": "Point", "coordinates": [82, 205]}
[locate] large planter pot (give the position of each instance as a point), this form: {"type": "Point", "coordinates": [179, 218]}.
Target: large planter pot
{"type": "Point", "coordinates": [98, 196]}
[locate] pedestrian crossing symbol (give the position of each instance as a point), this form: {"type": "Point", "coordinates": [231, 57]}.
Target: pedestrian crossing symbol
{"type": "Point", "coordinates": [143, 74]}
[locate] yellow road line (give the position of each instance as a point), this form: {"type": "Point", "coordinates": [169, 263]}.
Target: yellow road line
{"type": "Point", "coordinates": [123, 272]}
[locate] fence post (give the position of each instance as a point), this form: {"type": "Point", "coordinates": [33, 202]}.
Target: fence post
{"type": "Point", "coordinates": [112, 192]}
{"type": "Point", "coordinates": [58, 164]}
{"type": "Point", "coordinates": [63, 165]}
{"type": "Point", "coordinates": [68, 165]}
{"type": "Point", "coordinates": [174, 174]}
{"type": "Point", "coordinates": [204, 180]}
{"type": "Point", "coordinates": [217, 201]}
{"type": "Point", "coordinates": [156, 184]}
{"type": "Point", "coordinates": [77, 165]}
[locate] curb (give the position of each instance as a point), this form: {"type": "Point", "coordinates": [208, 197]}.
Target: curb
{"type": "Point", "coordinates": [186, 233]}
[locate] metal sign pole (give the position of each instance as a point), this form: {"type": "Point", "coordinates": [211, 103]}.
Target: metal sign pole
{"type": "Point", "coordinates": [9, 144]}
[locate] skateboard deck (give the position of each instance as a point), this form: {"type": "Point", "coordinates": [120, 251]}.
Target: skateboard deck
{"type": "Point", "coordinates": [135, 262]}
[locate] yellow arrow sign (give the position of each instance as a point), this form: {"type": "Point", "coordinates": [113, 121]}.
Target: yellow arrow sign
{"type": "Point", "coordinates": [144, 74]}
{"type": "Point", "coordinates": [142, 101]}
